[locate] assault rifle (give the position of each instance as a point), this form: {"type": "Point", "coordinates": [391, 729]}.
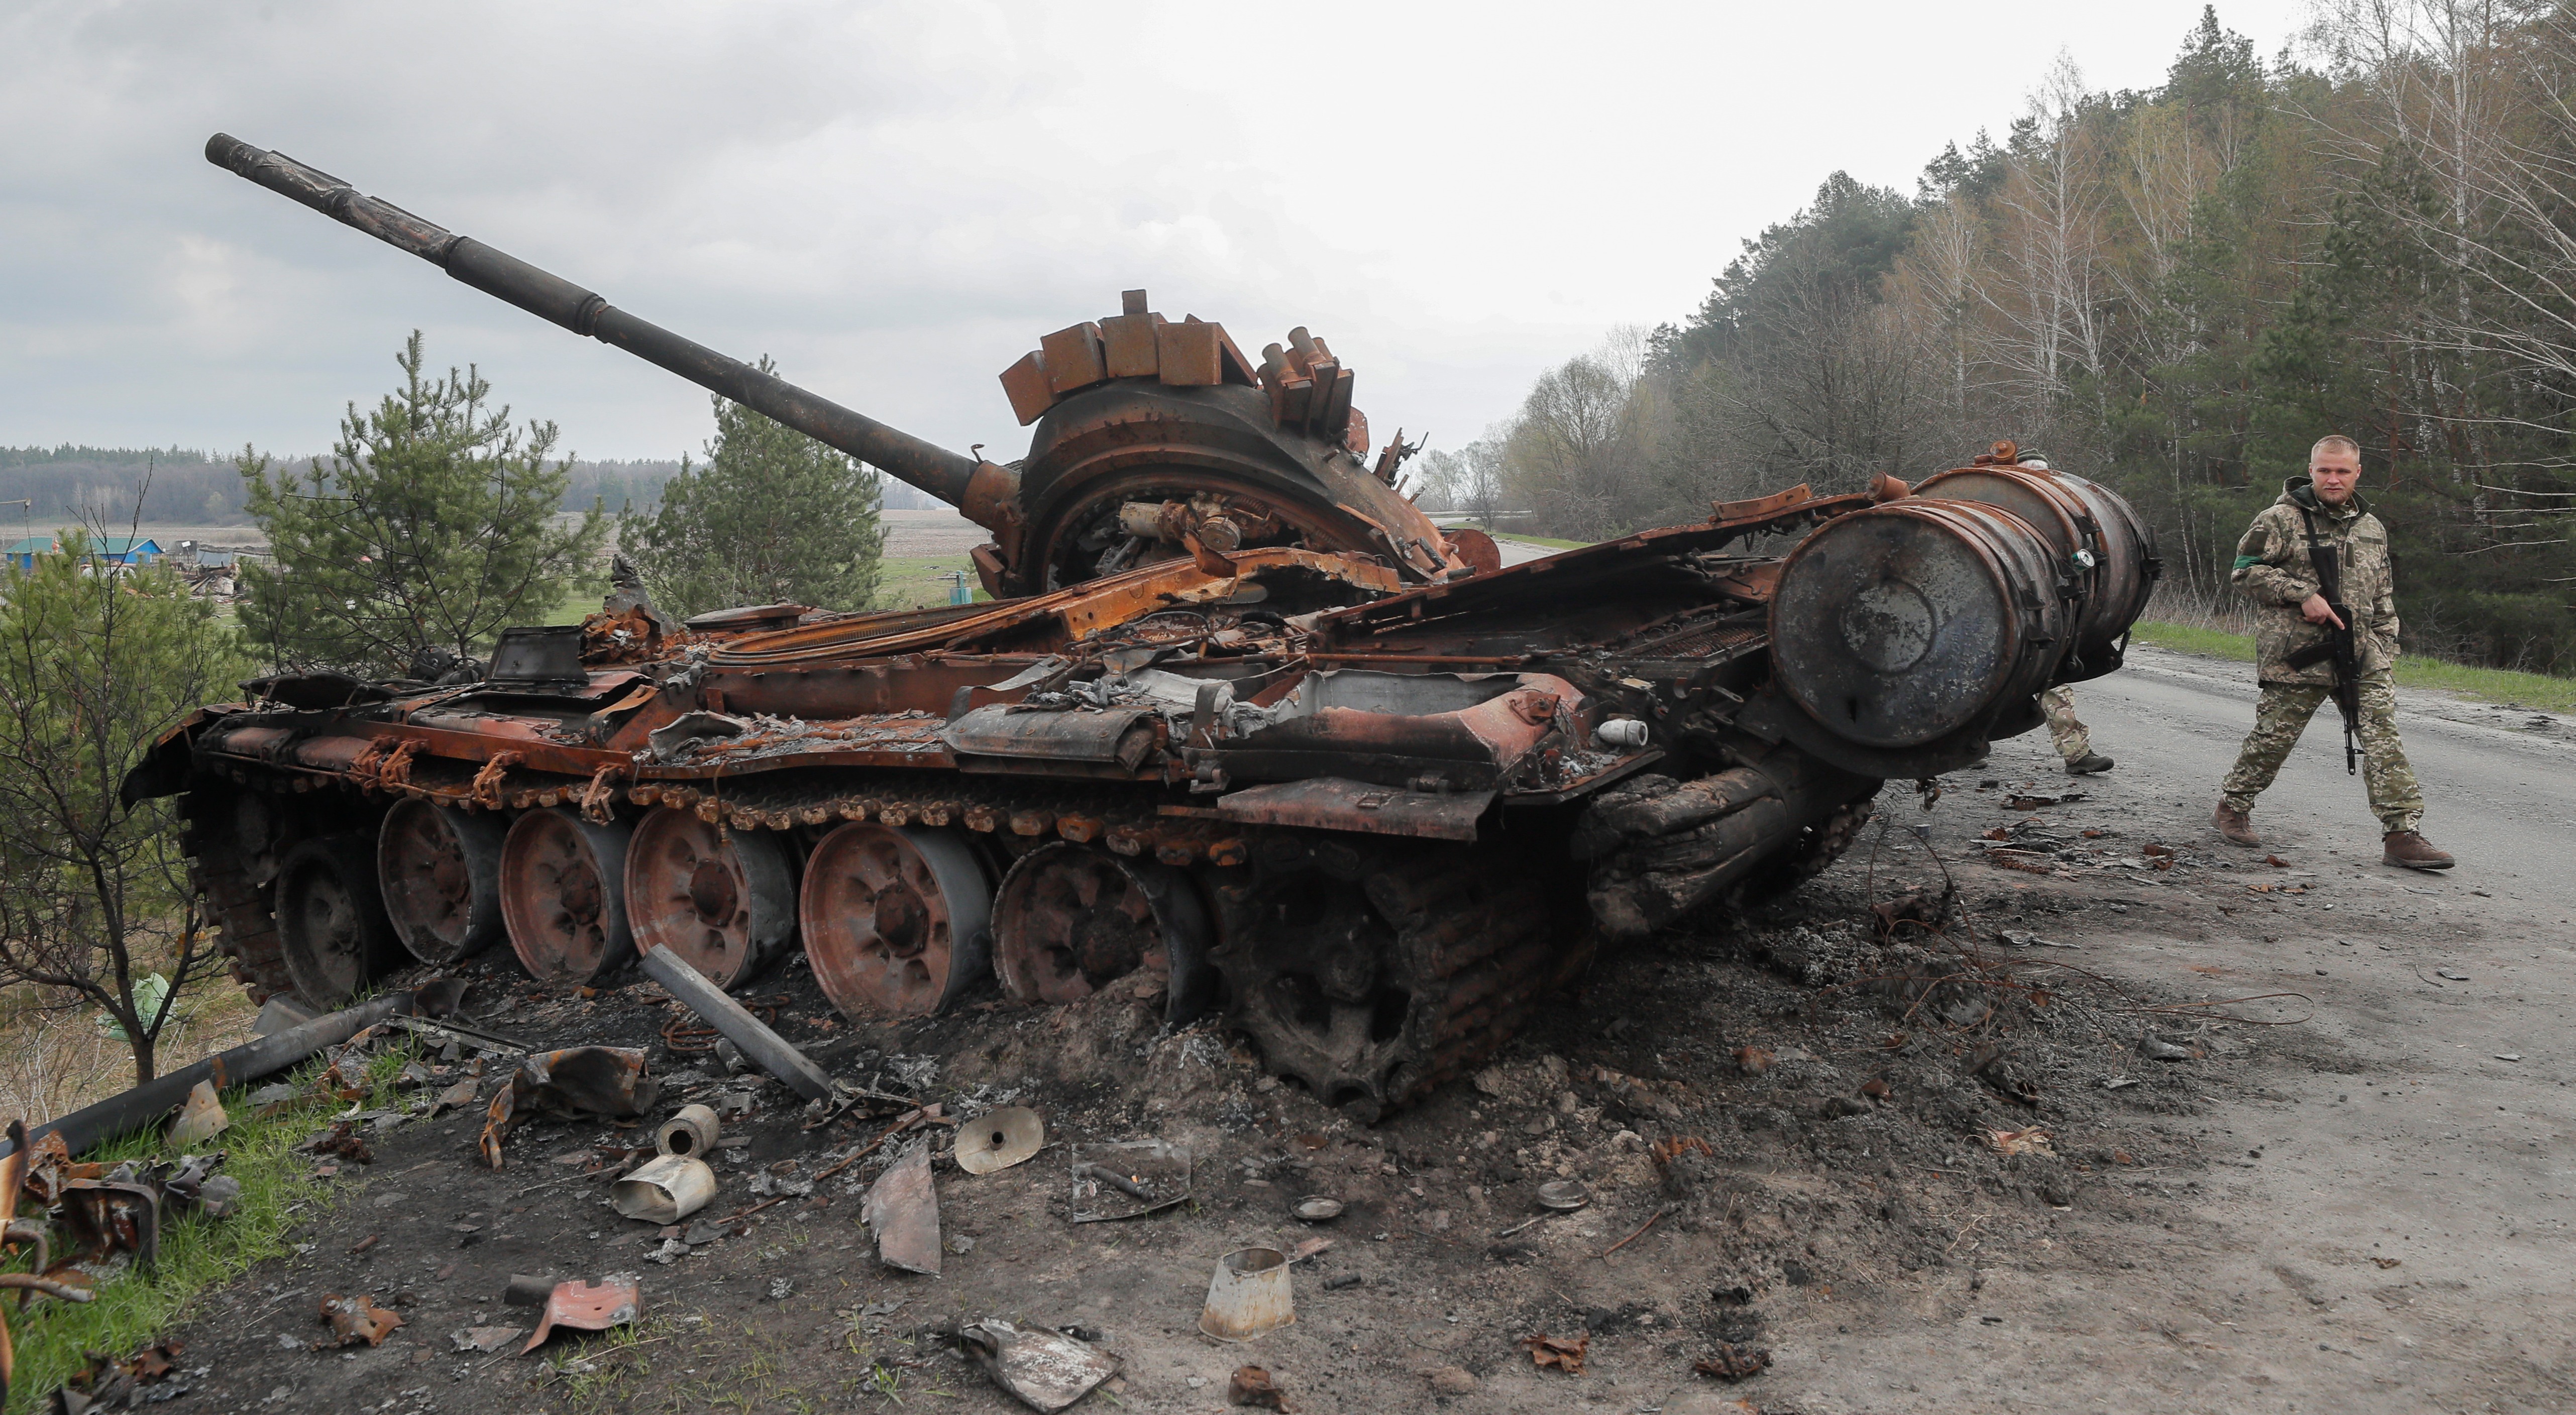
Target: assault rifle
{"type": "Point", "coordinates": [2339, 645]}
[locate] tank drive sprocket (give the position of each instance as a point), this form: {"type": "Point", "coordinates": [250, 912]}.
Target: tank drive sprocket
{"type": "Point", "coordinates": [1372, 976]}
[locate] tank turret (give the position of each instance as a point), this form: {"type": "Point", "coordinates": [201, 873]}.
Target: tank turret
{"type": "Point", "coordinates": [1155, 438]}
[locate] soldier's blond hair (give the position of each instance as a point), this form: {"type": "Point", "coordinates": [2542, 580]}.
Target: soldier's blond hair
{"type": "Point", "coordinates": [2334, 442]}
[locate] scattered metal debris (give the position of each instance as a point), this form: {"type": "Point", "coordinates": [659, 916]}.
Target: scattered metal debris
{"type": "Point", "coordinates": [1046, 1370]}
{"type": "Point", "coordinates": [998, 1139]}
{"type": "Point", "coordinates": [664, 1189]}
{"type": "Point", "coordinates": [1248, 1295]}
{"type": "Point", "coordinates": [1128, 1179]}
{"type": "Point", "coordinates": [201, 1118]}
{"type": "Point", "coordinates": [1556, 1353]}
{"type": "Point", "coordinates": [729, 1017]}
{"type": "Point", "coordinates": [357, 1318]}
{"type": "Point", "coordinates": [695, 1131]}
{"type": "Point", "coordinates": [1563, 1195]}
{"type": "Point", "coordinates": [902, 1207]}
{"type": "Point", "coordinates": [586, 1306]}
{"type": "Point", "coordinates": [1252, 1386]}
{"type": "Point", "coordinates": [575, 1081]}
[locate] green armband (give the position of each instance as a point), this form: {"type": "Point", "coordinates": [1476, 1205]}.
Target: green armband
{"type": "Point", "coordinates": [2244, 560]}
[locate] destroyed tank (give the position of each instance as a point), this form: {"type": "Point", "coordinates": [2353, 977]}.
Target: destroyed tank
{"type": "Point", "coordinates": [1242, 728]}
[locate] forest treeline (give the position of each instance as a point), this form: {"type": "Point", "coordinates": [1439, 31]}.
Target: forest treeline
{"type": "Point", "coordinates": [2175, 290]}
{"type": "Point", "coordinates": [67, 484]}
{"type": "Point", "coordinates": [190, 487]}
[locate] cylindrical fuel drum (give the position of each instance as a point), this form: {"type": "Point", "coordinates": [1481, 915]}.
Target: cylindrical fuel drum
{"type": "Point", "coordinates": [1904, 623]}
{"type": "Point", "coordinates": [2105, 555]}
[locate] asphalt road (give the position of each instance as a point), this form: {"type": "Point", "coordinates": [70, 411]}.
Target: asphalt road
{"type": "Point", "coordinates": [2385, 1220]}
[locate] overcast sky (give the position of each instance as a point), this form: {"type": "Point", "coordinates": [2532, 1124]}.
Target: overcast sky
{"type": "Point", "coordinates": [896, 201]}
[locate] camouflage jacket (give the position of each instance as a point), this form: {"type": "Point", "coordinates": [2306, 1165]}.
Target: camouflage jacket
{"type": "Point", "coordinates": [2273, 570]}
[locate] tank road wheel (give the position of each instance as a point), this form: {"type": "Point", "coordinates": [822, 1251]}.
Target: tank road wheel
{"type": "Point", "coordinates": [440, 870]}
{"type": "Point", "coordinates": [1071, 918]}
{"type": "Point", "coordinates": [331, 922]}
{"type": "Point", "coordinates": [563, 895]}
{"type": "Point", "coordinates": [897, 921]}
{"type": "Point", "coordinates": [1371, 979]}
{"type": "Point", "coordinates": [722, 899]}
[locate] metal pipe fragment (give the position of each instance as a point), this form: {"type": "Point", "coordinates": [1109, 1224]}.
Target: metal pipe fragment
{"type": "Point", "coordinates": [145, 1105]}
{"type": "Point", "coordinates": [774, 1053]}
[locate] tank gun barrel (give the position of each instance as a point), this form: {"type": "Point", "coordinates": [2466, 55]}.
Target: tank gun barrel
{"type": "Point", "coordinates": [982, 490]}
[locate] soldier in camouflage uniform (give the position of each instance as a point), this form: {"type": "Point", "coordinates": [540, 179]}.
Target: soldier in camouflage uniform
{"type": "Point", "coordinates": [2071, 738]}
{"type": "Point", "coordinates": [2274, 570]}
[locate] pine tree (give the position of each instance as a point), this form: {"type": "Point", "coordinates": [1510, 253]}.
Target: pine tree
{"type": "Point", "coordinates": [95, 668]}
{"type": "Point", "coordinates": [431, 528]}
{"type": "Point", "coordinates": [771, 517]}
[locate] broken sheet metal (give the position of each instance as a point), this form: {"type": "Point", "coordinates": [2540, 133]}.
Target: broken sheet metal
{"type": "Point", "coordinates": [200, 1119]}
{"type": "Point", "coordinates": [1333, 803]}
{"type": "Point", "coordinates": [586, 1306]}
{"type": "Point", "coordinates": [1128, 1179]}
{"type": "Point", "coordinates": [1047, 1370]}
{"type": "Point", "coordinates": [575, 1081]}
{"type": "Point", "coordinates": [665, 1189]}
{"type": "Point", "coordinates": [356, 1318]}
{"type": "Point", "coordinates": [902, 1208]}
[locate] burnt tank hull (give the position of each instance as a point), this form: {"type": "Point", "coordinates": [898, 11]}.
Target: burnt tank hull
{"type": "Point", "coordinates": [1242, 728]}
{"type": "Point", "coordinates": [1375, 827]}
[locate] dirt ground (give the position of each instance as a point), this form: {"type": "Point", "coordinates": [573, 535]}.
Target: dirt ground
{"type": "Point", "coordinates": [2364, 1207]}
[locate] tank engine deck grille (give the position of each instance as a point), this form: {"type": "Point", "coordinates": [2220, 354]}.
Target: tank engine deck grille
{"type": "Point", "coordinates": [1704, 639]}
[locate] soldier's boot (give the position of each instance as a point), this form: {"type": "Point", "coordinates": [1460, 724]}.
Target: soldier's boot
{"type": "Point", "coordinates": [2088, 764]}
{"type": "Point", "coordinates": [2237, 826]}
{"type": "Point", "coordinates": [2407, 850]}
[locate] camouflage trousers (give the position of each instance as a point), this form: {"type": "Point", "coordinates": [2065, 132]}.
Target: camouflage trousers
{"type": "Point", "coordinates": [2282, 714]}
{"type": "Point", "coordinates": [2069, 736]}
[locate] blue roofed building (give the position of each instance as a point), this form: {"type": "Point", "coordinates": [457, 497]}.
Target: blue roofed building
{"type": "Point", "coordinates": [124, 551]}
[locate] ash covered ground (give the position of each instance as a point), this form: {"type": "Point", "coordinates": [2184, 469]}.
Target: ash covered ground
{"type": "Point", "coordinates": [1833, 1111]}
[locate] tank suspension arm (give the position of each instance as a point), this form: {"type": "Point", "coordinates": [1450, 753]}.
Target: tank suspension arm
{"type": "Point", "coordinates": [982, 490]}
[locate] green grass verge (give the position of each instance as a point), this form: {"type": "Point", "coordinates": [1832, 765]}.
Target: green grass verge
{"type": "Point", "coordinates": [1551, 542]}
{"type": "Point", "coordinates": [197, 1253]}
{"type": "Point", "coordinates": [2531, 690]}
{"type": "Point", "coordinates": [2186, 638]}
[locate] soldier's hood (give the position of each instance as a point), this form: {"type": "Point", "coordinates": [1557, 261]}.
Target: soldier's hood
{"type": "Point", "coordinates": [2299, 492]}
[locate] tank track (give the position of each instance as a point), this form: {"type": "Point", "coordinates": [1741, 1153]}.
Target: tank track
{"type": "Point", "coordinates": [1815, 851]}
{"type": "Point", "coordinates": [226, 875]}
{"type": "Point", "coordinates": [1373, 977]}
{"type": "Point", "coordinates": [1469, 939]}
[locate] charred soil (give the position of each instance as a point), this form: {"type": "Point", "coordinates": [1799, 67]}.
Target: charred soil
{"type": "Point", "coordinates": [1835, 1110]}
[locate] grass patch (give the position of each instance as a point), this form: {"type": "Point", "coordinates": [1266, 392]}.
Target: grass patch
{"type": "Point", "coordinates": [922, 581]}
{"type": "Point", "coordinates": [903, 582]}
{"type": "Point", "coordinates": [2191, 638]}
{"type": "Point", "coordinates": [2531, 690]}
{"type": "Point", "coordinates": [197, 1253]}
{"type": "Point", "coordinates": [1550, 542]}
